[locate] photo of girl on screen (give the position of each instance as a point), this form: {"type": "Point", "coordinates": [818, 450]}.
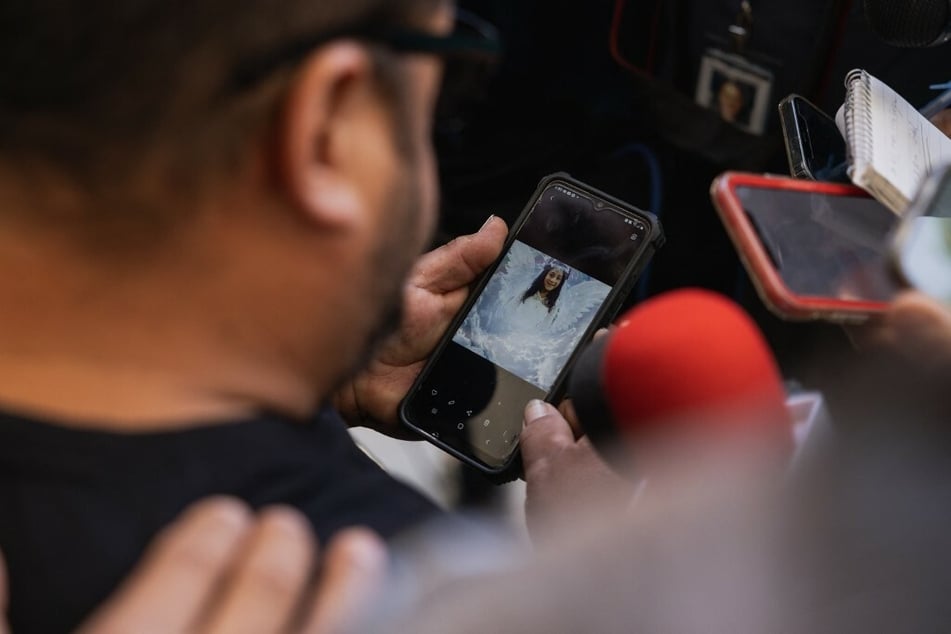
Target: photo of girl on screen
{"type": "Point", "coordinates": [532, 313]}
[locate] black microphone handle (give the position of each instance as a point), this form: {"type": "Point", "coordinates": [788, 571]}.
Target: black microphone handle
{"type": "Point", "coordinates": [587, 393]}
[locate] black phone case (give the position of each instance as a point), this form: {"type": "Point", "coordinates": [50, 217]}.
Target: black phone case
{"type": "Point", "coordinates": [792, 137]}
{"type": "Point", "coordinates": [655, 239]}
{"type": "Point", "coordinates": [798, 139]}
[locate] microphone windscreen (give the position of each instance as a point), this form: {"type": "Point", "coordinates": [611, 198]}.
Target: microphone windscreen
{"type": "Point", "coordinates": [688, 357]}
{"type": "Point", "coordinates": [910, 23]}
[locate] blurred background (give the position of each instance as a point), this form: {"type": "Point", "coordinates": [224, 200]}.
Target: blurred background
{"type": "Point", "coordinates": [605, 90]}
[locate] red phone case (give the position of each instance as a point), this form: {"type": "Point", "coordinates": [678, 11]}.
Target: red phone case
{"type": "Point", "coordinates": [767, 280]}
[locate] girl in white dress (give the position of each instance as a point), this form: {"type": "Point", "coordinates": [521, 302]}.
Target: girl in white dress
{"type": "Point", "coordinates": [537, 307]}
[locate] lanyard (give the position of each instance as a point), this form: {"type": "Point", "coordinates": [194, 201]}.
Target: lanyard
{"type": "Point", "coordinates": [742, 28]}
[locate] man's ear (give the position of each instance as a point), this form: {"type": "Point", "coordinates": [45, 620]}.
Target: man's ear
{"type": "Point", "coordinates": [322, 101]}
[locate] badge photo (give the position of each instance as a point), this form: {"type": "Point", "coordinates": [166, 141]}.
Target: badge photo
{"type": "Point", "coordinates": [736, 88]}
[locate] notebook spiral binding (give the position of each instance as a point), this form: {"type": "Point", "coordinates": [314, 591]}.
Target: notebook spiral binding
{"type": "Point", "coordinates": [858, 120]}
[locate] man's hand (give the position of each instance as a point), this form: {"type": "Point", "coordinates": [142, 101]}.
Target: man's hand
{"type": "Point", "coordinates": [915, 327]}
{"type": "Point", "coordinates": [221, 569]}
{"type": "Point", "coordinates": [436, 289]}
{"type": "Point", "coordinates": [565, 477]}
{"type": "Point", "coordinates": [942, 121]}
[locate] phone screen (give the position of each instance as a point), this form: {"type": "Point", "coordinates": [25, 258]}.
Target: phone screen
{"type": "Point", "coordinates": [568, 256]}
{"type": "Point", "coordinates": [924, 244]}
{"type": "Point", "coordinates": [824, 245]}
{"type": "Point", "coordinates": [823, 146]}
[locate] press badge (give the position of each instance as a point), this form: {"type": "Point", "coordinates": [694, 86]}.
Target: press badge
{"type": "Point", "coordinates": [733, 85]}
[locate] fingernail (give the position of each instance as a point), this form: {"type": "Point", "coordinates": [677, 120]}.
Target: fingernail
{"type": "Point", "coordinates": [535, 410]}
{"type": "Point", "coordinates": [486, 223]}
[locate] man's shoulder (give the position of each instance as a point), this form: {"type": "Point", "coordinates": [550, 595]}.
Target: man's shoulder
{"type": "Point", "coordinates": [265, 459]}
{"type": "Point", "coordinates": [79, 507]}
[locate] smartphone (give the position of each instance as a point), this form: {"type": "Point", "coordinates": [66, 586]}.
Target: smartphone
{"type": "Point", "coordinates": [570, 260]}
{"type": "Point", "coordinates": [921, 249]}
{"type": "Point", "coordinates": [815, 147]}
{"type": "Point", "coordinates": [813, 250]}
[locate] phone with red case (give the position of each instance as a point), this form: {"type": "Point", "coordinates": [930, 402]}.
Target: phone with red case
{"type": "Point", "coordinates": [813, 250]}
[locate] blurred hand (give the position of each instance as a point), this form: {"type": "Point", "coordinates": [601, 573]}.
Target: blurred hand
{"type": "Point", "coordinates": [915, 328]}
{"type": "Point", "coordinates": [219, 568]}
{"type": "Point", "coordinates": [942, 121]}
{"type": "Point", "coordinates": [565, 476]}
{"type": "Point", "coordinates": [437, 288]}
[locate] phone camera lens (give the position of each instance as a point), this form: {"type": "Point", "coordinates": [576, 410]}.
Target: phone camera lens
{"type": "Point", "coordinates": [598, 205]}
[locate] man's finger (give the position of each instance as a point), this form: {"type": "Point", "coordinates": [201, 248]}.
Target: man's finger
{"type": "Point", "coordinates": [942, 121]}
{"type": "Point", "coordinates": [545, 433]}
{"type": "Point", "coordinates": [567, 410]}
{"type": "Point", "coordinates": [181, 570]}
{"type": "Point", "coordinates": [913, 310]}
{"type": "Point", "coordinates": [268, 581]}
{"type": "Point", "coordinates": [458, 263]}
{"type": "Point", "coordinates": [922, 326]}
{"type": "Point", "coordinates": [914, 324]}
{"type": "Point", "coordinates": [353, 570]}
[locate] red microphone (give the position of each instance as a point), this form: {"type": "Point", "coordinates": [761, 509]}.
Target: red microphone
{"type": "Point", "coordinates": [686, 363]}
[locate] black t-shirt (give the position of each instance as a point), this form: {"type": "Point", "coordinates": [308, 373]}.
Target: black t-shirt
{"type": "Point", "coordinates": [78, 508]}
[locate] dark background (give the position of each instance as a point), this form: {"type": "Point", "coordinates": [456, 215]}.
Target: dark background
{"type": "Point", "coordinates": [618, 113]}
{"type": "Point", "coordinates": [626, 123]}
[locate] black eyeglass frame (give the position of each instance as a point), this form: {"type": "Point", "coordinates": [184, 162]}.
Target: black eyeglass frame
{"type": "Point", "coordinates": [485, 46]}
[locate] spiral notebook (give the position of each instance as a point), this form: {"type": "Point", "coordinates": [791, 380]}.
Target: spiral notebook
{"type": "Point", "coordinates": [891, 147]}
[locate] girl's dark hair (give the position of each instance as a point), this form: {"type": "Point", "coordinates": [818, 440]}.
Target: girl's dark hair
{"type": "Point", "coordinates": [539, 284]}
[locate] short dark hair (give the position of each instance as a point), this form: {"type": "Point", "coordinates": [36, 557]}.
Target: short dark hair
{"type": "Point", "coordinates": [86, 84]}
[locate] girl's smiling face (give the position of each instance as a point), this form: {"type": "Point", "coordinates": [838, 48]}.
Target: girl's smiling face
{"type": "Point", "coordinates": [553, 279]}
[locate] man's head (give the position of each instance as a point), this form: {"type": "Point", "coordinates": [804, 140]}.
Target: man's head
{"type": "Point", "coordinates": [86, 84]}
{"type": "Point", "coordinates": [279, 210]}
